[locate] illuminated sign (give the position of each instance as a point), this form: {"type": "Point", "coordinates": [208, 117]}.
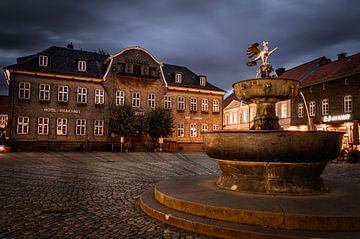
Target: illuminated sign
{"type": "Point", "coordinates": [53, 110]}
{"type": "Point", "coordinates": [330, 118]}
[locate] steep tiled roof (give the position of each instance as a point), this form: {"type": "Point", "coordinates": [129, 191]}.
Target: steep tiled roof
{"type": "Point", "coordinates": [64, 61]}
{"type": "Point", "coordinates": [189, 78]}
{"type": "Point", "coordinates": [330, 71]}
{"type": "Point", "coordinates": [4, 104]}
{"type": "Point", "coordinates": [302, 71]}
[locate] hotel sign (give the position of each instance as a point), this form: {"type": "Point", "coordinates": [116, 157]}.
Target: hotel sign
{"type": "Point", "coordinates": [54, 110]}
{"type": "Point", "coordinates": [331, 118]}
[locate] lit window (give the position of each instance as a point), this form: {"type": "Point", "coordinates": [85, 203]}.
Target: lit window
{"type": "Point", "coordinates": [193, 104]}
{"type": "Point", "coordinates": [61, 127]}
{"type": "Point", "coordinates": [3, 121]}
{"type": "Point", "coordinates": [348, 104]}
{"type": "Point", "coordinates": [120, 97]}
{"type": "Point", "coordinates": [312, 108]}
{"type": "Point", "coordinates": [215, 127]}
{"type": "Point", "coordinates": [231, 118]}
{"type": "Point", "coordinates": [204, 127]}
{"type": "Point", "coordinates": [204, 105]}
{"type": "Point", "coordinates": [178, 78]}
{"type": "Point", "coordinates": [99, 127]}
{"type": "Point", "coordinates": [63, 93]}
{"type": "Point", "coordinates": [180, 130]}
{"type": "Point", "coordinates": [325, 107]}
{"type": "Point", "coordinates": [167, 102]}
{"type": "Point", "coordinates": [43, 60]}
{"type": "Point", "coordinates": [24, 90]}
{"type": "Point", "coordinates": [135, 100]}
{"type": "Point", "coordinates": [283, 111]}
{"type": "Point", "coordinates": [301, 110]}
{"type": "Point", "coordinates": [81, 65]}
{"type": "Point", "coordinates": [80, 127]}
{"type": "Point", "coordinates": [245, 117]}
{"type": "Point", "coordinates": [43, 125]}
{"type": "Point", "coordinates": [193, 130]}
{"type": "Point", "coordinates": [99, 97]}
{"type": "Point", "coordinates": [151, 101]}
{"type": "Point", "coordinates": [202, 80]}
{"type": "Point", "coordinates": [235, 118]}
{"type": "Point", "coordinates": [181, 103]}
{"type": "Point", "coordinates": [216, 106]}
{"type": "Point", "coordinates": [22, 125]}
{"type": "Point", "coordinates": [82, 95]}
{"type": "Point", "coordinates": [252, 113]}
{"type": "Point", "coordinates": [44, 92]}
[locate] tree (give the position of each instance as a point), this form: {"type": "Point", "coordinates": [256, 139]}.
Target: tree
{"type": "Point", "coordinates": [122, 120]}
{"type": "Point", "coordinates": [159, 123]}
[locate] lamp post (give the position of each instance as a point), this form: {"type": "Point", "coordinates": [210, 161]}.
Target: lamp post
{"type": "Point", "coordinates": [161, 141]}
{"type": "Point", "coordinates": [121, 143]}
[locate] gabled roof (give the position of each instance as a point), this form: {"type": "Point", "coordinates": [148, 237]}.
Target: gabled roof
{"type": "Point", "coordinates": [189, 78]}
{"type": "Point", "coordinates": [64, 61]}
{"type": "Point", "coordinates": [333, 70]}
{"type": "Point", "coordinates": [302, 71]}
{"type": "Point", "coordinates": [233, 97]}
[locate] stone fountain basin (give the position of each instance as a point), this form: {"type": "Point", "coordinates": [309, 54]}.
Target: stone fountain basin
{"type": "Point", "coordinates": [273, 145]}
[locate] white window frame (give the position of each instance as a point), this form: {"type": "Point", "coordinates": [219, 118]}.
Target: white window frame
{"type": "Point", "coordinates": [300, 110]}
{"type": "Point", "coordinates": [43, 126]}
{"type": "Point", "coordinates": [82, 65]}
{"type": "Point", "coordinates": [193, 104]}
{"type": "Point", "coordinates": [245, 117]}
{"type": "Point", "coordinates": [44, 92]}
{"type": "Point", "coordinates": [348, 104]}
{"type": "Point", "coordinates": [215, 127]}
{"type": "Point", "coordinates": [24, 90]}
{"type": "Point", "coordinates": [167, 102]}
{"type": "Point", "coordinates": [22, 125]}
{"type": "Point", "coordinates": [3, 120]}
{"type": "Point", "coordinates": [81, 95]}
{"type": "Point", "coordinates": [193, 130]}
{"type": "Point", "coordinates": [99, 127]}
{"type": "Point", "coordinates": [178, 77]}
{"type": "Point", "coordinates": [204, 127]}
{"type": "Point", "coordinates": [181, 103]}
{"type": "Point", "coordinates": [312, 108]}
{"type": "Point", "coordinates": [325, 107]}
{"type": "Point", "coordinates": [152, 101]}
{"type": "Point", "coordinates": [99, 97]}
{"type": "Point", "coordinates": [43, 60]}
{"type": "Point", "coordinates": [283, 110]}
{"type": "Point", "coordinates": [61, 126]}
{"type": "Point", "coordinates": [180, 130]}
{"type": "Point", "coordinates": [135, 100]}
{"type": "Point", "coordinates": [204, 105]}
{"type": "Point", "coordinates": [63, 93]}
{"type": "Point", "coordinates": [202, 80]}
{"type": "Point", "coordinates": [119, 97]}
{"type": "Point", "coordinates": [216, 106]}
{"type": "Point", "coordinates": [81, 127]}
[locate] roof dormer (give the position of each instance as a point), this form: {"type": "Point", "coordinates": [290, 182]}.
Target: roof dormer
{"type": "Point", "coordinates": [202, 80]}
{"type": "Point", "coordinates": [82, 65]}
{"type": "Point", "coordinates": [43, 60]}
{"type": "Point", "coordinates": [178, 77]}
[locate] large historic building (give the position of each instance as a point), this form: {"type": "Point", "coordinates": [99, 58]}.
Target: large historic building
{"type": "Point", "coordinates": [61, 98]}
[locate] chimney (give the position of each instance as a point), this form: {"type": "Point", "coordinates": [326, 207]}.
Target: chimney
{"type": "Point", "coordinates": [324, 61]}
{"type": "Point", "coordinates": [280, 71]}
{"type": "Point", "coordinates": [70, 46]}
{"type": "Point", "coordinates": [341, 56]}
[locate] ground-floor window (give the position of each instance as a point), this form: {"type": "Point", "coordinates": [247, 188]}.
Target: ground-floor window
{"type": "Point", "coordinates": [23, 125]}
{"type": "Point", "coordinates": [43, 125]}
{"type": "Point", "coordinates": [61, 127]}
{"type": "Point", "coordinates": [80, 127]}
{"type": "Point", "coordinates": [193, 130]}
{"type": "Point", "coordinates": [99, 127]}
{"type": "Point", "coordinates": [215, 127]}
{"type": "Point", "coordinates": [204, 127]}
{"type": "Point", "coordinates": [180, 130]}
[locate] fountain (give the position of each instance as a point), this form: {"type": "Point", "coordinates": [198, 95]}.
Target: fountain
{"type": "Point", "coordinates": [270, 184]}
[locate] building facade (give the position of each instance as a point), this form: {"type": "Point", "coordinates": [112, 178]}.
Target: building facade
{"type": "Point", "coordinates": [61, 98]}
{"type": "Point", "coordinates": [332, 97]}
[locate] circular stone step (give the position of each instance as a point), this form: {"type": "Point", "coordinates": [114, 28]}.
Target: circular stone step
{"type": "Point", "coordinates": [337, 210]}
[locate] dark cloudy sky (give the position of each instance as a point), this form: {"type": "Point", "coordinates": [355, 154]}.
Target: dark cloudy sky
{"type": "Point", "coordinates": [208, 36]}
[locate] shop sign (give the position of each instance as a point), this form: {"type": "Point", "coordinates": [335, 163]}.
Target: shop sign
{"type": "Point", "coordinates": [331, 118]}
{"type": "Point", "coordinates": [54, 110]}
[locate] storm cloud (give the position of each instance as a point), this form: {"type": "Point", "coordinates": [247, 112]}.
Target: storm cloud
{"type": "Point", "coordinates": [208, 36]}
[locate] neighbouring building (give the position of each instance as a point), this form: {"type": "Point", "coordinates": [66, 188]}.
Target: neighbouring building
{"type": "Point", "coordinates": [61, 98]}
{"type": "Point", "coordinates": [332, 96]}
{"type": "Point", "coordinates": [239, 114]}
{"type": "Point", "coordinates": [4, 101]}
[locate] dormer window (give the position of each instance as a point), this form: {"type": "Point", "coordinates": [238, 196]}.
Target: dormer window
{"type": "Point", "coordinates": [81, 65]}
{"type": "Point", "coordinates": [43, 60]}
{"type": "Point", "coordinates": [203, 80]}
{"type": "Point", "coordinates": [178, 77]}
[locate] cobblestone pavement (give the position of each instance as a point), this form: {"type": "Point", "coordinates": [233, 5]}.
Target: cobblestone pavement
{"type": "Point", "coordinates": [95, 195]}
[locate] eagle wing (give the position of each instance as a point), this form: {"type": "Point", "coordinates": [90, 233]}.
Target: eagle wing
{"type": "Point", "coordinates": [253, 50]}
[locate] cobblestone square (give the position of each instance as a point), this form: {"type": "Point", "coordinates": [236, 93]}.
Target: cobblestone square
{"type": "Point", "coordinates": [95, 195]}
